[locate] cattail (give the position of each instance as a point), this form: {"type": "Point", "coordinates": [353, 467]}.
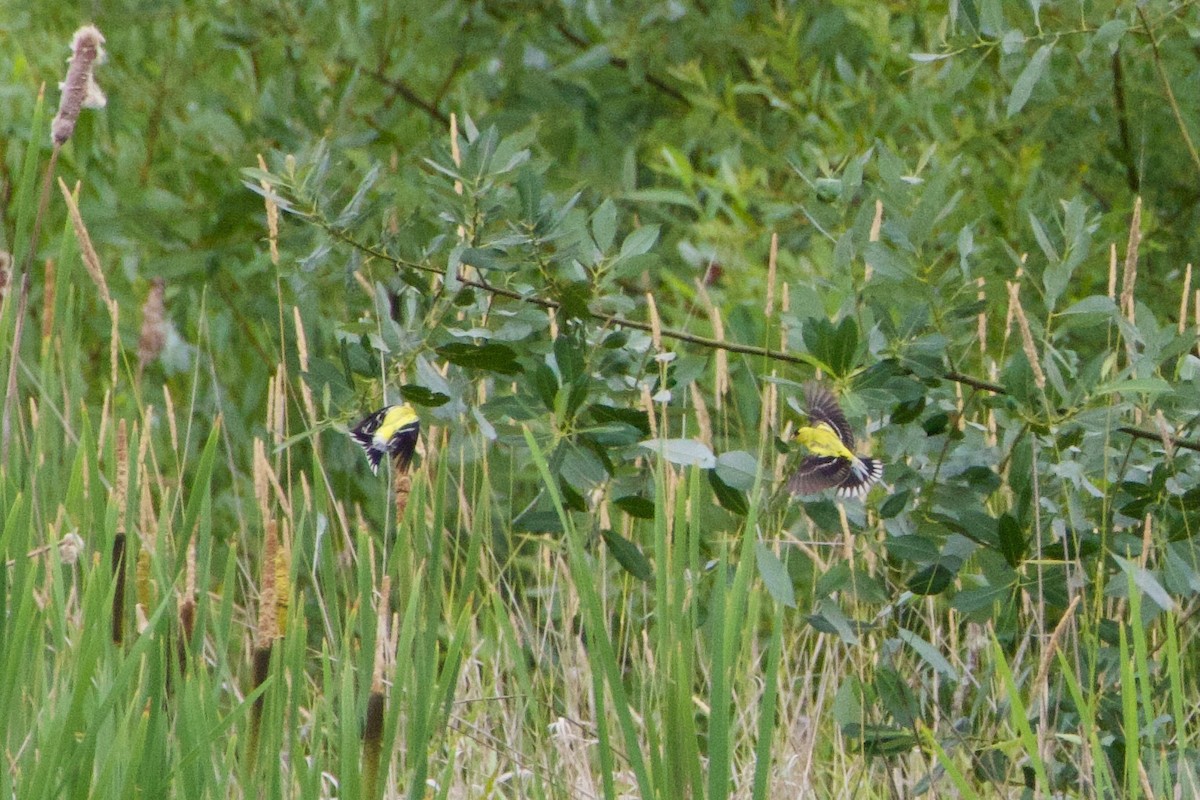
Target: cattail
{"type": "Point", "coordinates": [1183, 298]}
{"type": "Point", "coordinates": [91, 261]}
{"type": "Point", "coordinates": [648, 407]}
{"type": "Point", "coordinates": [1129, 276]}
{"type": "Point", "coordinates": [655, 323]}
{"type": "Point", "coordinates": [272, 215]}
{"type": "Point", "coordinates": [118, 548]}
{"type": "Point", "coordinates": [402, 488]}
{"type": "Point", "coordinates": [147, 543]}
{"type": "Point", "coordinates": [703, 422]}
{"type": "Point", "coordinates": [265, 632]}
{"type": "Point", "coordinates": [70, 547]}
{"type": "Point", "coordinates": [772, 273]}
{"type": "Point", "coordinates": [153, 337]}
{"type": "Point", "coordinates": [5, 273]}
{"type": "Point", "coordinates": [373, 728]}
{"type": "Point", "coordinates": [268, 624]}
{"type": "Point", "coordinates": [79, 90]}
{"type": "Point", "coordinates": [283, 580]}
{"type": "Point", "coordinates": [187, 606]}
{"type": "Point", "coordinates": [49, 285]}
{"type": "Point", "coordinates": [981, 321]}
{"type": "Point", "coordinates": [1165, 434]}
{"type": "Point", "coordinates": [721, 357]}
{"type": "Point", "coordinates": [1027, 344]}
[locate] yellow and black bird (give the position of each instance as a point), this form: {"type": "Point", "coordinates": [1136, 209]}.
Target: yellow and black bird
{"type": "Point", "coordinates": [392, 429]}
{"type": "Point", "coordinates": [831, 461]}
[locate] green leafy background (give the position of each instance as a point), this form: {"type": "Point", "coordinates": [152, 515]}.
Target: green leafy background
{"type": "Point", "coordinates": [654, 221]}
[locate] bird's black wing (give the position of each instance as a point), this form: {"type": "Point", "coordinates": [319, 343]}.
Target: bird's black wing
{"type": "Point", "coordinates": [823, 407]}
{"type": "Point", "coordinates": [403, 443]}
{"type": "Point", "coordinates": [818, 473]}
{"type": "Point", "coordinates": [364, 432]}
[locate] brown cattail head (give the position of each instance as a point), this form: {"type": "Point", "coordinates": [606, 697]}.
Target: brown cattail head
{"type": "Point", "coordinates": [79, 90]}
{"type": "Point", "coordinates": [401, 489]}
{"type": "Point", "coordinates": [153, 337]}
{"type": "Point", "coordinates": [5, 272]}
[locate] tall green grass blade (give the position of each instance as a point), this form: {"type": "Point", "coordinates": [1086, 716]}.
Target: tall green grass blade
{"type": "Point", "coordinates": [597, 631]}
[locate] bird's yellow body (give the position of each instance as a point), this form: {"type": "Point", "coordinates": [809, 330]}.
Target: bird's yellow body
{"type": "Point", "coordinates": [394, 418]}
{"type": "Point", "coordinates": [392, 429]}
{"type": "Point", "coordinates": [831, 462]}
{"type": "Point", "coordinates": [823, 440]}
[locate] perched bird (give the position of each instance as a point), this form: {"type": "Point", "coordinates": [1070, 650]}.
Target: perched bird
{"type": "Point", "coordinates": [831, 460]}
{"type": "Point", "coordinates": [392, 429]}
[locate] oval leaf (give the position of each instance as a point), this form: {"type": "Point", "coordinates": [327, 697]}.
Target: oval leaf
{"type": "Point", "coordinates": [684, 452]}
{"type": "Point", "coordinates": [775, 575]}
{"type": "Point", "coordinates": [1028, 78]}
{"type": "Point", "coordinates": [628, 555]}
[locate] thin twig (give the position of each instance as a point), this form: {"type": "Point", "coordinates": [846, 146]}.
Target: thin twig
{"type": "Point", "coordinates": [1138, 433]}
{"type": "Point", "coordinates": [622, 64]}
{"type": "Point", "coordinates": [1162, 77]}
{"type": "Point", "coordinates": [608, 319]}
{"type": "Point", "coordinates": [402, 89]}
{"type": "Point", "coordinates": [683, 336]}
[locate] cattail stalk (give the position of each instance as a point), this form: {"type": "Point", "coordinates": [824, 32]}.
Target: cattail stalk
{"type": "Point", "coordinates": [721, 359]}
{"type": "Point", "coordinates": [1129, 275]}
{"type": "Point", "coordinates": [655, 323]}
{"type": "Point", "coordinates": [120, 495]}
{"type": "Point", "coordinates": [1183, 299]}
{"type": "Point", "coordinates": [772, 274]}
{"type": "Point", "coordinates": [153, 336]}
{"type": "Point", "coordinates": [1027, 343]}
{"type": "Point", "coordinates": [187, 607]}
{"type": "Point", "coordinates": [79, 91]}
{"type": "Point", "coordinates": [377, 700]}
{"type": "Point", "coordinates": [873, 236]}
{"type": "Point", "coordinates": [265, 633]}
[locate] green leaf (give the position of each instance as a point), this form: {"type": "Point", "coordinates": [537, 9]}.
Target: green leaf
{"type": "Point", "coordinates": [836, 347]}
{"type": "Point", "coordinates": [774, 575]}
{"type": "Point", "coordinates": [737, 469]}
{"type": "Point", "coordinates": [1134, 386]}
{"type": "Point", "coordinates": [640, 241]}
{"type": "Point", "coordinates": [490, 357]}
{"type": "Point", "coordinates": [684, 452]}
{"type": "Point", "coordinates": [1145, 580]}
{"type": "Point", "coordinates": [1013, 544]}
{"type": "Point", "coordinates": [1094, 304]}
{"type": "Point", "coordinates": [1028, 78]}
{"type": "Point", "coordinates": [928, 653]}
{"type": "Point", "coordinates": [630, 416]}
{"type": "Point", "coordinates": [933, 579]}
{"type": "Point", "coordinates": [421, 396]}
{"type": "Point", "coordinates": [894, 504]}
{"type": "Point", "coordinates": [829, 618]}
{"type": "Point", "coordinates": [486, 258]}
{"type": "Point", "coordinates": [730, 499]}
{"type": "Point", "coordinates": [628, 555]}
{"type": "Point", "coordinates": [636, 506]}
{"type": "Point", "coordinates": [604, 225]}
{"type": "Point", "coordinates": [1110, 33]}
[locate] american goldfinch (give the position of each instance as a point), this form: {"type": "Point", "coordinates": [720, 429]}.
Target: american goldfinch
{"type": "Point", "coordinates": [831, 460]}
{"type": "Point", "coordinates": [392, 429]}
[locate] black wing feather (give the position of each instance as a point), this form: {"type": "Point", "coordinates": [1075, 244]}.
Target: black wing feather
{"type": "Point", "coordinates": [364, 432]}
{"type": "Point", "coordinates": [823, 407]}
{"type": "Point", "coordinates": [402, 445]}
{"type": "Point", "coordinates": [818, 473]}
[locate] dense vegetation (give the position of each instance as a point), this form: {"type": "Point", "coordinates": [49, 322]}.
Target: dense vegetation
{"type": "Point", "coordinates": [600, 249]}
